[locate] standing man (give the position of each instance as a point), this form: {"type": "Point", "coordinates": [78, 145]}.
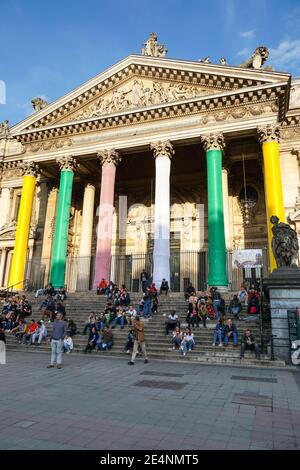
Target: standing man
{"type": "Point", "coordinates": [57, 340]}
{"type": "Point", "coordinates": [144, 281]}
{"type": "Point", "coordinates": [139, 340]}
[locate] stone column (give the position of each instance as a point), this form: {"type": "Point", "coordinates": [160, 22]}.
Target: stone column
{"type": "Point", "coordinates": [59, 253]}
{"type": "Point", "coordinates": [85, 247]}
{"type": "Point", "coordinates": [2, 265]}
{"type": "Point", "coordinates": [269, 137]}
{"type": "Point", "coordinates": [5, 206]}
{"type": "Point", "coordinates": [227, 221]}
{"type": "Point", "coordinates": [217, 276]}
{"type": "Point", "coordinates": [109, 160]}
{"type": "Point", "coordinates": [17, 272]}
{"type": "Point", "coordinates": [163, 152]}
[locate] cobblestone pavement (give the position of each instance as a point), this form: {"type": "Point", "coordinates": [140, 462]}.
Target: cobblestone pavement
{"type": "Point", "coordinates": [94, 403]}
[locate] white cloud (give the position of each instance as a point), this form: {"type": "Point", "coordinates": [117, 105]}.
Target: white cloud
{"type": "Point", "coordinates": [248, 34]}
{"type": "Point", "coordinates": [286, 56]}
{"type": "Point", "coordinates": [243, 52]}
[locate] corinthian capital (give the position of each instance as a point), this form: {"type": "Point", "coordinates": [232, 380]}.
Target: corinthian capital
{"type": "Point", "coordinates": [109, 156]}
{"type": "Point", "coordinates": [213, 141]}
{"type": "Point", "coordinates": [268, 133]}
{"type": "Point", "coordinates": [66, 163]}
{"type": "Point", "coordinates": [162, 149]}
{"type": "Point", "coordinates": [29, 169]}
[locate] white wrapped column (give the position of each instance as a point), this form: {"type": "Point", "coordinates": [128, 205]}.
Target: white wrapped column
{"type": "Point", "coordinates": [163, 152]}
{"type": "Point", "coordinates": [85, 247]}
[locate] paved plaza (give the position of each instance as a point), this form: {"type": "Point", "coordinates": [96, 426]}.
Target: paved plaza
{"type": "Point", "coordinates": [102, 403]}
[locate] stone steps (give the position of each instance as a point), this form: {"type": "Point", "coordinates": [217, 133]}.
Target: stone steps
{"type": "Point", "coordinates": [80, 305]}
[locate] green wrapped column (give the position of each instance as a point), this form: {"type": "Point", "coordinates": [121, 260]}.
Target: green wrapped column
{"type": "Point", "coordinates": [59, 251]}
{"type": "Point", "coordinates": [217, 272]}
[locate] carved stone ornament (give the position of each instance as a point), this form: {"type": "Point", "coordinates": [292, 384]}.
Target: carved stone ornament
{"type": "Point", "coordinates": [4, 129]}
{"type": "Point", "coordinates": [285, 244]}
{"type": "Point", "coordinates": [152, 48]}
{"type": "Point", "coordinates": [109, 156]}
{"type": "Point", "coordinates": [139, 95]}
{"type": "Point", "coordinates": [38, 103]}
{"type": "Point", "coordinates": [162, 149]}
{"type": "Point", "coordinates": [29, 169]}
{"type": "Point", "coordinates": [258, 58]}
{"type": "Point", "coordinates": [50, 144]}
{"type": "Point", "coordinates": [268, 134]}
{"type": "Point", "coordinates": [67, 163]}
{"type": "Point", "coordinates": [213, 142]}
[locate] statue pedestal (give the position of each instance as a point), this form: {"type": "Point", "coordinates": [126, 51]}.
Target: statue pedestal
{"type": "Point", "coordinates": [284, 291]}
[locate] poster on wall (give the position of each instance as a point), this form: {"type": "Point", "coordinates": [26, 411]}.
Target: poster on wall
{"type": "Point", "coordinates": [247, 258]}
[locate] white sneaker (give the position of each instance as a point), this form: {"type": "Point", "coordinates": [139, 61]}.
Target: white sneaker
{"type": "Point", "coordinates": [173, 347]}
{"type": "Point", "coordinates": [220, 345]}
{"type": "Point", "coordinates": [184, 354]}
{"type": "Point", "coordinates": [214, 344]}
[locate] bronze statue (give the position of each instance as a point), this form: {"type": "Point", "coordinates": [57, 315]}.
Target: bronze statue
{"type": "Point", "coordinates": [285, 244]}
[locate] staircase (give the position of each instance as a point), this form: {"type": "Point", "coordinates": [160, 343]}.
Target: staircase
{"type": "Point", "coordinates": [80, 305]}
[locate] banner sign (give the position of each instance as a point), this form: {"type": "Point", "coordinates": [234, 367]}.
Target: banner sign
{"type": "Point", "coordinates": [247, 258]}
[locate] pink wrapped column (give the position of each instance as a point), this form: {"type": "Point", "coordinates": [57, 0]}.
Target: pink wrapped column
{"type": "Point", "coordinates": [109, 160]}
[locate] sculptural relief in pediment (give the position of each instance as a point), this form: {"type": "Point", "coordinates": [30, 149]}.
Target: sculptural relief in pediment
{"type": "Point", "coordinates": [139, 93]}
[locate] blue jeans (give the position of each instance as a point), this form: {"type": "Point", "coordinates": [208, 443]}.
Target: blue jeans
{"type": "Point", "coordinates": [119, 321]}
{"type": "Point", "coordinates": [217, 336]}
{"type": "Point", "coordinates": [147, 307]}
{"type": "Point", "coordinates": [234, 336]}
{"type": "Point", "coordinates": [67, 347]}
{"type": "Point", "coordinates": [57, 349]}
{"type": "Point", "coordinates": [101, 346]}
{"type": "Point", "coordinates": [176, 341]}
{"type": "Point", "coordinates": [100, 325]}
{"type": "Point", "coordinates": [187, 346]}
{"type": "Point", "coordinates": [216, 304]}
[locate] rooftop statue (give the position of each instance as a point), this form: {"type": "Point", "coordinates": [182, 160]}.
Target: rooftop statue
{"type": "Point", "coordinates": [205, 60]}
{"type": "Point", "coordinates": [285, 244]}
{"type": "Point", "coordinates": [258, 58]}
{"type": "Point", "coordinates": [38, 103]}
{"type": "Point", "coordinates": [4, 129]}
{"type": "Point", "coordinates": [223, 61]}
{"type": "Point", "coordinates": [152, 48]}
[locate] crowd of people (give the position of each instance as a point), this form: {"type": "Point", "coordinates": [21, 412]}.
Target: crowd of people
{"type": "Point", "coordinates": [202, 307]}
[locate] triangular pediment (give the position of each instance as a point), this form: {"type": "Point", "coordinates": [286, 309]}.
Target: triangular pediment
{"type": "Point", "coordinates": [142, 82]}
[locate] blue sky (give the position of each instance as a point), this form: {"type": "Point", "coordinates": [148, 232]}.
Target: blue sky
{"type": "Point", "coordinates": [51, 47]}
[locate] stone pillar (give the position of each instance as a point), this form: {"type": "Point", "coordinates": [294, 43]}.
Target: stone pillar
{"type": "Point", "coordinates": [85, 247]}
{"type": "Point", "coordinates": [17, 272]}
{"type": "Point", "coordinates": [2, 265]}
{"type": "Point", "coordinates": [109, 160]}
{"type": "Point", "coordinates": [227, 221]}
{"type": "Point", "coordinates": [8, 268]}
{"type": "Point", "coordinates": [269, 137]}
{"type": "Point", "coordinates": [217, 276]}
{"type": "Point", "coordinates": [59, 253]}
{"type": "Point", "coordinates": [283, 286]}
{"type": "Point", "coordinates": [5, 206]}
{"type": "Point", "coordinates": [48, 235]}
{"type": "Point", "coordinates": [163, 152]}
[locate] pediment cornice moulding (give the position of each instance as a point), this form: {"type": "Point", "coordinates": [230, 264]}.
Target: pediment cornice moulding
{"type": "Point", "coordinates": [215, 76]}
{"type": "Point", "coordinates": [224, 103]}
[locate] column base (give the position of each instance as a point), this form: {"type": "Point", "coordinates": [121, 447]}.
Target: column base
{"type": "Point", "coordinates": [220, 288]}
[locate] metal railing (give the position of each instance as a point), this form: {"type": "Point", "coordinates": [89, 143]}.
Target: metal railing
{"type": "Point", "coordinates": [10, 288]}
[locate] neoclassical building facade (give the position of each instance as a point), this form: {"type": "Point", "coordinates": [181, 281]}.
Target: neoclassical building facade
{"type": "Point", "coordinates": [158, 164]}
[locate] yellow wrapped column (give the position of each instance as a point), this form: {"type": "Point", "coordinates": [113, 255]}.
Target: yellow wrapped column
{"type": "Point", "coordinates": [17, 272]}
{"type": "Point", "coordinates": [269, 137]}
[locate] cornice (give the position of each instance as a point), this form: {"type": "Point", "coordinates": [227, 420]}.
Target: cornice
{"type": "Point", "coordinates": [214, 103]}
